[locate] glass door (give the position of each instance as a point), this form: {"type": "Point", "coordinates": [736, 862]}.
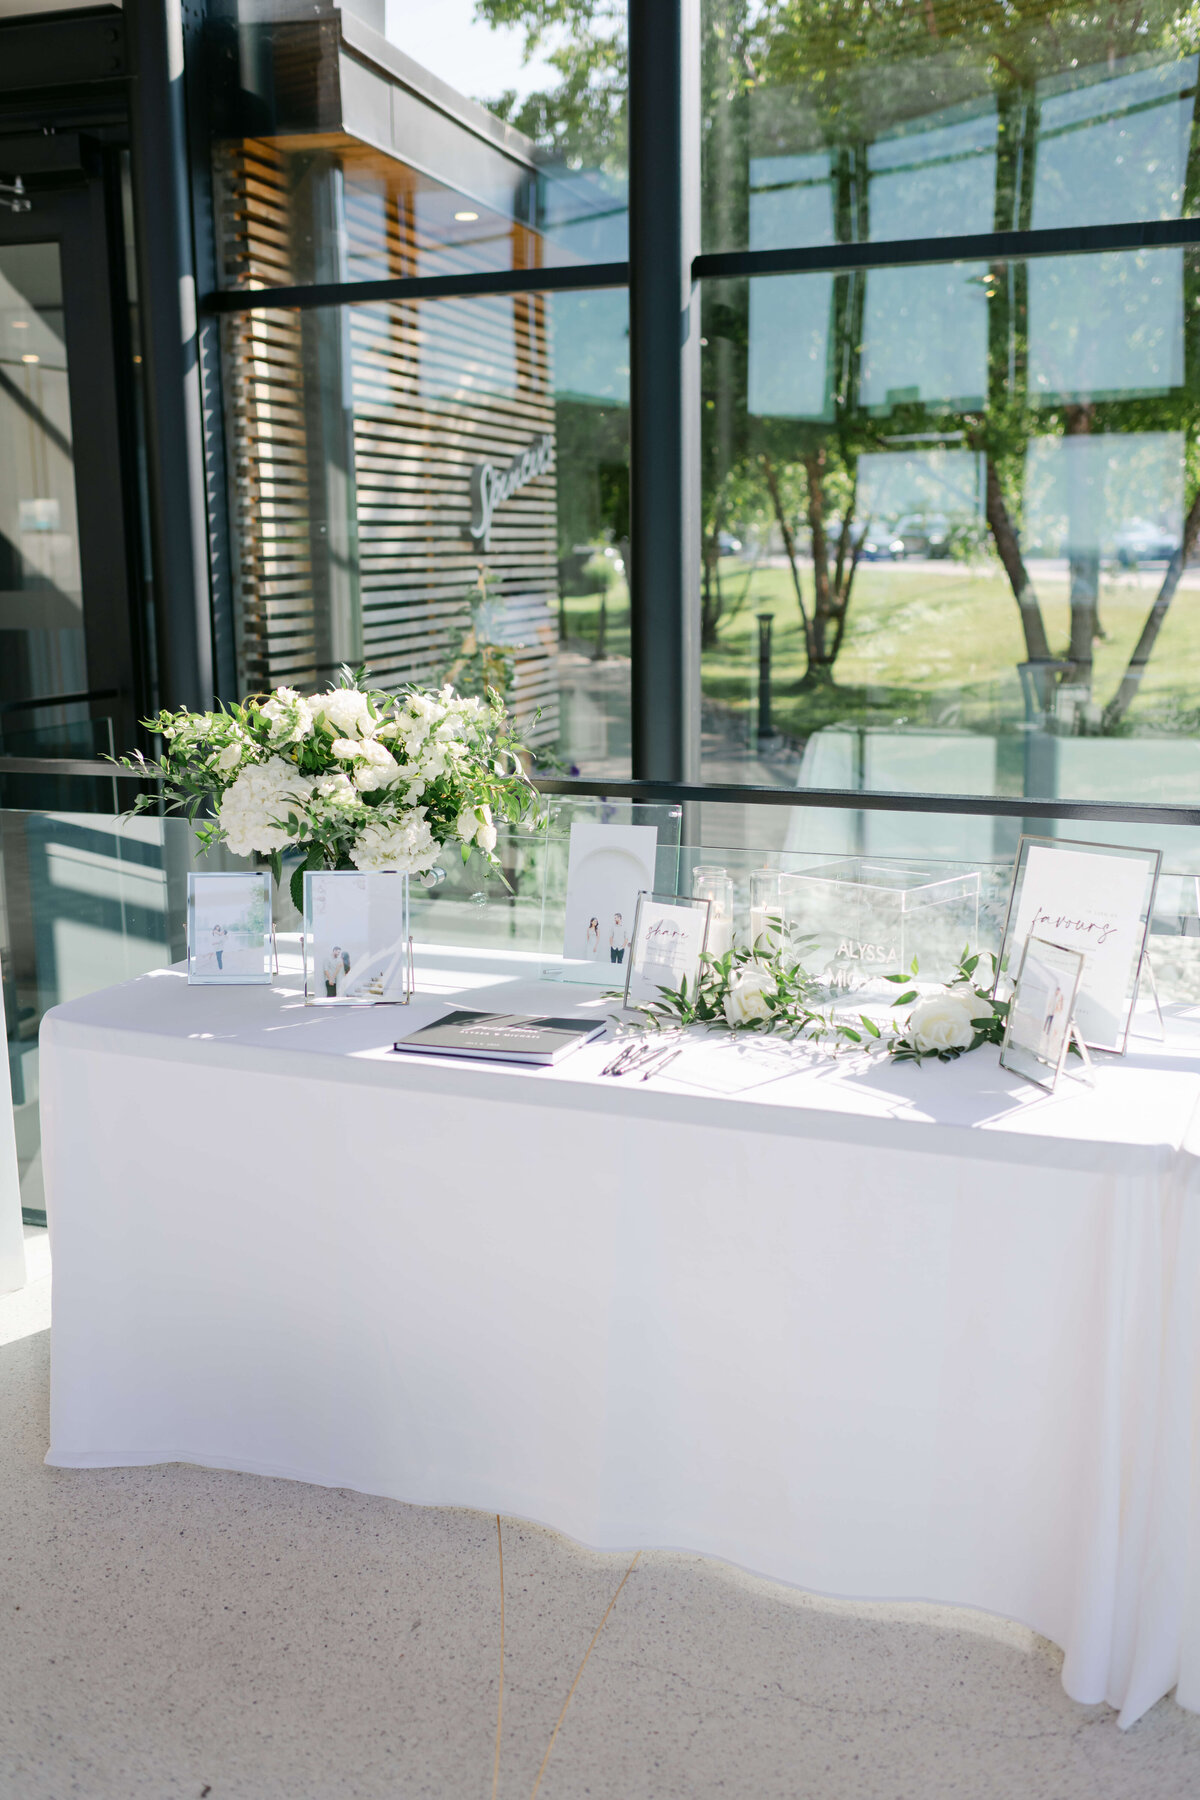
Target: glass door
{"type": "Point", "coordinates": [69, 619]}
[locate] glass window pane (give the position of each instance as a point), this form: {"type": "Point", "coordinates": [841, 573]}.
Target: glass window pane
{"type": "Point", "coordinates": [951, 514]}
{"type": "Point", "coordinates": [42, 651]}
{"type": "Point", "coordinates": [863, 123]}
{"type": "Point", "coordinates": [427, 137]}
{"type": "Point", "coordinates": [441, 488]}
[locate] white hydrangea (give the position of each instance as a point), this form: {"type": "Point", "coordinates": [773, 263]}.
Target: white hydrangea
{"type": "Point", "coordinates": [405, 844]}
{"type": "Point", "coordinates": [254, 808]}
{"type": "Point", "coordinates": [289, 715]}
{"type": "Point", "coordinates": [346, 710]}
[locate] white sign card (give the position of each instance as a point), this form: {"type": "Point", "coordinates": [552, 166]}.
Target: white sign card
{"type": "Point", "coordinates": [229, 941]}
{"type": "Point", "coordinates": [669, 934]}
{"type": "Point", "coordinates": [1041, 1015]}
{"type": "Point", "coordinates": [607, 867]}
{"type": "Point", "coordinates": [1094, 898]}
{"type": "Point", "coordinates": [357, 948]}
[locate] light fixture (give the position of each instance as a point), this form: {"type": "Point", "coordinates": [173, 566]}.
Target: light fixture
{"type": "Point", "coordinates": [466, 218]}
{"type": "Point", "coordinates": [31, 359]}
{"type": "Point", "coordinates": [19, 324]}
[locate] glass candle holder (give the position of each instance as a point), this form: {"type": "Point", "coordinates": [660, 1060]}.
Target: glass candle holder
{"type": "Point", "coordinates": [766, 912]}
{"type": "Point", "coordinates": [713, 883]}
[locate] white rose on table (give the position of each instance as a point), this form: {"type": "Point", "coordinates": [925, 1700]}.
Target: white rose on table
{"type": "Point", "coordinates": [746, 999]}
{"type": "Point", "coordinates": [943, 1021]}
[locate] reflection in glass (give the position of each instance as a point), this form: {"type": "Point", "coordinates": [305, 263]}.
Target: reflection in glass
{"type": "Point", "coordinates": [1106, 327]}
{"type": "Point", "coordinates": [977, 543]}
{"type": "Point", "coordinates": [41, 597]}
{"type": "Point", "coordinates": [429, 487]}
{"type": "Point", "coordinates": [1113, 145]}
{"type": "Point", "coordinates": [504, 150]}
{"type": "Point", "coordinates": [935, 120]}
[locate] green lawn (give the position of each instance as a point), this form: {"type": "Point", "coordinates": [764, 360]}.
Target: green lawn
{"type": "Point", "coordinates": [928, 646]}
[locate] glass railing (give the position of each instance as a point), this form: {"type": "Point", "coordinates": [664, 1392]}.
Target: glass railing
{"type": "Point", "coordinates": [88, 899]}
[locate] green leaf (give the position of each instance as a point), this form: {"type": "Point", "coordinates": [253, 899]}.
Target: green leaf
{"type": "Point", "coordinates": [296, 886]}
{"type": "Point", "coordinates": [913, 966]}
{"type": "Point", "coordinates": [870, 1025]}
{"type": "Point", "coordinates": [905, 999]}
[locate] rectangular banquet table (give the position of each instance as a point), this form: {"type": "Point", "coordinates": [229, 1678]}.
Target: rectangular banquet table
{"type": "Point", "coordinates": [880, 1331]}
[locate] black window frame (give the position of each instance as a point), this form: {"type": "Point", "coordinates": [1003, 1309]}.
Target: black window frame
{"type": "Point", "coordinates": [663, 275]}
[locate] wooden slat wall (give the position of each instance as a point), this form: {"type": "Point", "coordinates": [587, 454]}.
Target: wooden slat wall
{"type": "Point", "coordinates": [437, 386]}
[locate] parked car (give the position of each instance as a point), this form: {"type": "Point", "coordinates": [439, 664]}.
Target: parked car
{"type": "Point", "coordinates": [1139, 541]}
{"type": "Point", "coordinates": [920, 534]}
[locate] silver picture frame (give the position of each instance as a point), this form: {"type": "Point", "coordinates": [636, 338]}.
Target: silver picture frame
{"type": "Point", "coordinates": [357, 940]}
{"type": "Point", "coordinates": [230, 937]}
{"type": "Point", "coordinates": [1107, 995]}
{"type": "Point", "coordinates": [1040, 1029]}
{"type": "Point", "coordinates": [670, 934]}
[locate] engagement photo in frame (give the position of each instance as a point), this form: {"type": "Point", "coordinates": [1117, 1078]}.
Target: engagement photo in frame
{"type": "Point", "coordinates": [1040, 1028]}
{"type": "Point", "coordinates": [357, 947]}
{"type": "Point", "coordinates": [1097, 899]}
{"type": "Point", "coordinates": [229, 937]}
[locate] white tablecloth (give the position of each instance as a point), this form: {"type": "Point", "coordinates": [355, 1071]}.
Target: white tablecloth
{"type": "Point", "coordinates": [877, 1331]}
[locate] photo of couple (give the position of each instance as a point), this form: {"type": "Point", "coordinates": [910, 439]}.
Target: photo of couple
{"type": "Point", "coordinates": [229, 927]}
{"type": "Point", "coordinates": [356, 937]}
{"type": "Point", "coordinates": [608, 866]}
{"type": "Point", "coordinates": [615, 941]}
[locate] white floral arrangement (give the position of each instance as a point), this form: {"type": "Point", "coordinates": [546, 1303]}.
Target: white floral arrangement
{"type": "Point", "coordinates": [355, 778]}
{"type": "Point", "coordinates": [767, 989]}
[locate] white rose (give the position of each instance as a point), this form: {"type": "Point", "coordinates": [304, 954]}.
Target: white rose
{"type": "Point", "coordinates": [376, 767]}
{"type": "Point", "coordinates": [474, 826]}
{"type": "Point", "coordinates": [943, 1021]}
{"type": "Point", "coordinates": [747, 995]}
{"type": "Point", "coordinates": [230, 757]}
{"type": "Point", "coordinates": [346, 710]}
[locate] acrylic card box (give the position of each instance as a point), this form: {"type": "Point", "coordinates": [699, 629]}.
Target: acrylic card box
{"type": "Point", "coordinates": [869, 919]}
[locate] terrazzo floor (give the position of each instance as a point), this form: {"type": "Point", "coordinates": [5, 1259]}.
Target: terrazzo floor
{"type": "Point", "coordinates": [184, 1634]}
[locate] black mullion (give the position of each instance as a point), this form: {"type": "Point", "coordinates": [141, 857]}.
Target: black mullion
{"type": "Point", "coordinates": [835, 259]}
{"type": "Point", "coordinates": [982, 246]}
{"type": "Point", "coordinates": [421, 287]}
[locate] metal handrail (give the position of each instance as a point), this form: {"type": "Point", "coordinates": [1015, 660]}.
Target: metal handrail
{"type": "Point", "coordinates": [683, 793]}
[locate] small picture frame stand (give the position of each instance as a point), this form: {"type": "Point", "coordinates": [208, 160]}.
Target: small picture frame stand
{"type": "Point", "coordinates": [358, 948]}
{"type": "Point", "coordinates": [670, 933]}
{"type": "Point", "coordinates": [1041, 1030]}
{"type": "Point", "coordinates": [230, 935]}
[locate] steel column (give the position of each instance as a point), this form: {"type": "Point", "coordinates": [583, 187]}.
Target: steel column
{"type": "Point", "coordinates": [664, 332]}
{"type": "Point", "coordinates": [167, 305]}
